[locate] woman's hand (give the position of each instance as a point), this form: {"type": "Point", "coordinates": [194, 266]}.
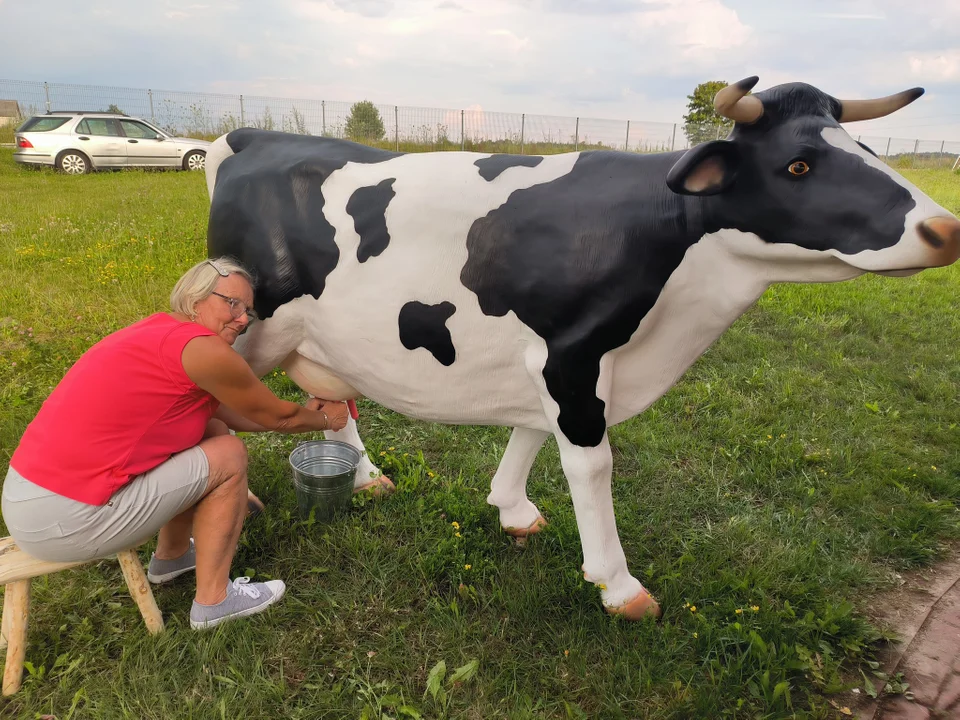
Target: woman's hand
{"type": "Point", "coordinates": [336, 412]}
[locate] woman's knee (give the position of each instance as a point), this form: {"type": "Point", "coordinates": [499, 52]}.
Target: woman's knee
{"type": "Point", "coordinates": [227, 457]}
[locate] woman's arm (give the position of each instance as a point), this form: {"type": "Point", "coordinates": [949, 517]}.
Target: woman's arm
{"type": "Point", "coordinates": [236, 421]}
{"type": "Point", "coordinates": [217, 368]}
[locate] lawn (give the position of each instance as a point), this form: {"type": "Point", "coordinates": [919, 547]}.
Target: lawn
{"type": "Point", "coordinates": [803, 463]}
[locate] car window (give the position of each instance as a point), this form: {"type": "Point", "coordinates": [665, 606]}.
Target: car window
{"type": "Point", "coordinates": [134, 129]}
{"type": "Point", "coordinates": [42, 124]}
{"type": "Point", "coordinates": [99, 126]}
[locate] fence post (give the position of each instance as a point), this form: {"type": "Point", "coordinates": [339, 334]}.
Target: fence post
{"type": "Point", "coordinates": [241, 112]}
{"type": "Point", "coordinates": [626, 145]}
{"type": "Point", "coordinates": [396, 126]}
{"type": "Point", "coordinates": [46, 91]}
{"type": "Point", "coordinates": [673, 138]}
{"type": "Point", "coordinates": [576, 136]}
{"type": "Point", "coordinates": [942, 143]}
{"type": "Point", "coordinates": [523, 122]}
{"type": "Point", "coordinates": [461, 131]}
{"type": "Point", "coordinates": [323, 118]}
{"type": "Point", "coordinates": [916, 146]}
{"type": "Point", "coordinates": [150, 95]}
{"type": "Point", "coordinates": [886, 154]}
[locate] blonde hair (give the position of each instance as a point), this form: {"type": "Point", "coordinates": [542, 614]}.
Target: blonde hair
{"type": "Point", "coordinates": [198, 282]}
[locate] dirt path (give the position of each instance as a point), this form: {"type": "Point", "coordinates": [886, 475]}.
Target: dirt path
{"type": "Point", "coordinates": [925, 614]}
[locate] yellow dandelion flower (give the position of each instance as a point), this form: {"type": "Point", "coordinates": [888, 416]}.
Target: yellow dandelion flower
{"type": "Point", "coordinates": [769, 437]}
{"type": "Point", "coordinates": [456, 525]}
{"type": "Point", "coordinates": [393, 448]}
{"type": "Point", "coordinates": [933, 467]}
{"type": "Point", "coordinates": [383, 453]}
{"type": "Point", "coordinates": [738, 611]}
{"type": "Point", "coordinates": [601, 586]}
{"type": "Point", "coordinates": [457, 534]}
{"type": "Point", "coordinates": [430, 474]}
{"type": "Point", "coordinates": [693, 608]}
{"type": "Point", "coordinates": [783, 435]}
{"type": "Point", "coordinates": [566, 653]}
{"type": "Point", "coordinates": [696, 635]}
{"type": "Point", "coordinates": [755, 608]}
{"type": "Point", "coordinates": [467, 567]}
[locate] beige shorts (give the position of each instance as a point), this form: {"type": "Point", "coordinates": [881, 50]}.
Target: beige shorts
{"type": "Point", "coordinates": [52, 527]}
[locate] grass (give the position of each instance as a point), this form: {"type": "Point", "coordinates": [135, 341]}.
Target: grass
{"type": "Point", "coordinates": [808, 458]}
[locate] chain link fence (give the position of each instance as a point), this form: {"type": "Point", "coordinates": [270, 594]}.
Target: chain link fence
{"type": "Point", "coordinates": [409, 129]}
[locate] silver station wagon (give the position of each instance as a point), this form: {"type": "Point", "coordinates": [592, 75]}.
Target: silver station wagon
{"type": "Point", "coordinates": [79, 142]}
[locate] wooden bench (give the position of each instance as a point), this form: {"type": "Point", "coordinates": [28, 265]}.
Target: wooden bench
{"type": "Point", "coordinates": [17, 569]}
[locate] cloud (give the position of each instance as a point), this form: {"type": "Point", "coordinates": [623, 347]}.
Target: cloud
{"type": "Point", "coordinates": [513, 43]}
{"type": "Point", "coordinates": [849, 16]}
{"type": "Point", "coordinates": [936, 66]}
{"type": "Point", "coordinates": [367, 8]}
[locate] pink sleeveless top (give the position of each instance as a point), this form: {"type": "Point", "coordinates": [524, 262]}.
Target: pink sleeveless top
{"type": "Point", "coordinates": [124, 408]}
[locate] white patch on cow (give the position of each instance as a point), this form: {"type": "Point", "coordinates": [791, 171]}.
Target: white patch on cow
{"type": "Point", "coordinates": [353, 327]}
{"type": "Point", "coordinates": [218, 151]}
{"type": "Point", "coordinates": [911, 252]}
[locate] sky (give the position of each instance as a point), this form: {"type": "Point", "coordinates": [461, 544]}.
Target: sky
{"type": "Point", "coordinates": [620, 59]}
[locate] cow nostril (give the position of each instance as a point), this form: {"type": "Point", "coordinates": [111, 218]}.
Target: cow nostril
{"type": "Point", "coordinates": [940, 231]}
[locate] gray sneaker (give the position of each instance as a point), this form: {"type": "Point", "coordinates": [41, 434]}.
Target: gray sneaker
{"type": "Point", "coordinates": [243, 598]}
{"type": "Point", "coordinates": [161, 571]}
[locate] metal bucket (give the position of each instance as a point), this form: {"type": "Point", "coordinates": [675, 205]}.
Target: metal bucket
{"type": "Point", "coordinates": [323, 474]}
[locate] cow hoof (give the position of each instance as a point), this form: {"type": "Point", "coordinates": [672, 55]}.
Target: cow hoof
{"type": "Point", "coordinates": [643, 605]}
{"type": "Point", "coordinates": [254, 505]}
{"type": "Point", "coordinates": [378, 488]}
{"type": "Point", "coordinates": [532, 529]}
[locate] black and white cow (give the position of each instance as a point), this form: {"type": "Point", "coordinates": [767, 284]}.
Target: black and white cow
{"type": "Point", "coordinates": [556, 295]}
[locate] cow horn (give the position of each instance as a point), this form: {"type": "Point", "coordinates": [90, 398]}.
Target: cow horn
{"type": "Point", "coordinates": [854, 110]}
{"type": "Point", "coordinates": [734, 104]}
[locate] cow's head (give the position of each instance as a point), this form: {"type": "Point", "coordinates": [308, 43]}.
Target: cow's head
{"type": "Point", "coordinates": [789, 175]}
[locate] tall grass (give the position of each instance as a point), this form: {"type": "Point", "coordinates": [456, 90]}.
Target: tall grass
{"type": "Point", "coordinates": [802, 464]}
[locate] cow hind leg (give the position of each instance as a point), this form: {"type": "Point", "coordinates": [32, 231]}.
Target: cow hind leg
{"type": "Point", "coordinates": [508, 491]}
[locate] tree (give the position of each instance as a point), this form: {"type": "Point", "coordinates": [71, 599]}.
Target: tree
{"type": "Point", "coordinates": [364, 123]}
{"type": "Point", "coordinates": [702, 123]}
{"type": "Point", "coordinates": [115, 110]}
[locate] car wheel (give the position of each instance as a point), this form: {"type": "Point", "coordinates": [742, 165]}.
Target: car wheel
{"type": "Point", "coordinates": [73, 162]}
{"type": "Point", "coordinates": [195, 160]}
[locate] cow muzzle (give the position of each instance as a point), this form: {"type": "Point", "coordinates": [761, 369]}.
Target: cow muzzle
{"type": "Point", "coordinates": [942, 235]}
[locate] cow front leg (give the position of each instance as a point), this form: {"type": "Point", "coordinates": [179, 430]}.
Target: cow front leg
{"type": "Point", "coordinates": [589, 471]}
{"type": "Point", "coordinates": [368, 475]}
{"type": "Point", "coordinates": [508, 491]}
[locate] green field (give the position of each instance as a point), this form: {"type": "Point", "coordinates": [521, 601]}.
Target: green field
{"type": "Point", "coordinates": [809, 458]}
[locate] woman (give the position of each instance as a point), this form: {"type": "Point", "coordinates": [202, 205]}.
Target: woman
{"type": "Point", "coordinates": [135, 440]}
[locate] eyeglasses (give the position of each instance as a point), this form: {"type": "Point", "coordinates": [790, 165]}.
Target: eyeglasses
{"type": "Point", "coordinates": [237, 308]}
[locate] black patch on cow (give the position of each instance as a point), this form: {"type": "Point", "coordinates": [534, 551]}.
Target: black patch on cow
{"type": "Point", "coordinates": [581, 260]}
{"type": "Point", "coordinates": [368, 207]}
{"type": "Point", "coordinates": [424, 326]}
{"type": "Point", "coordinates": [267, 210]}
{"type": "Point", "coordinates": [491, 167]}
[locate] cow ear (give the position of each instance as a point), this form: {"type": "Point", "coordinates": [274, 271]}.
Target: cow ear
{"type": "Point", "coordinates": [707, 169]}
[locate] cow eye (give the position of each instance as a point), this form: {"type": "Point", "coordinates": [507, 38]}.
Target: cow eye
{"type": "Point", "coordinates": [798, 167]}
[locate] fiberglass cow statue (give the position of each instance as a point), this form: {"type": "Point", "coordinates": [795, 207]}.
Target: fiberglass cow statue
{"type": "Point", "coordinates": [555, 295]}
